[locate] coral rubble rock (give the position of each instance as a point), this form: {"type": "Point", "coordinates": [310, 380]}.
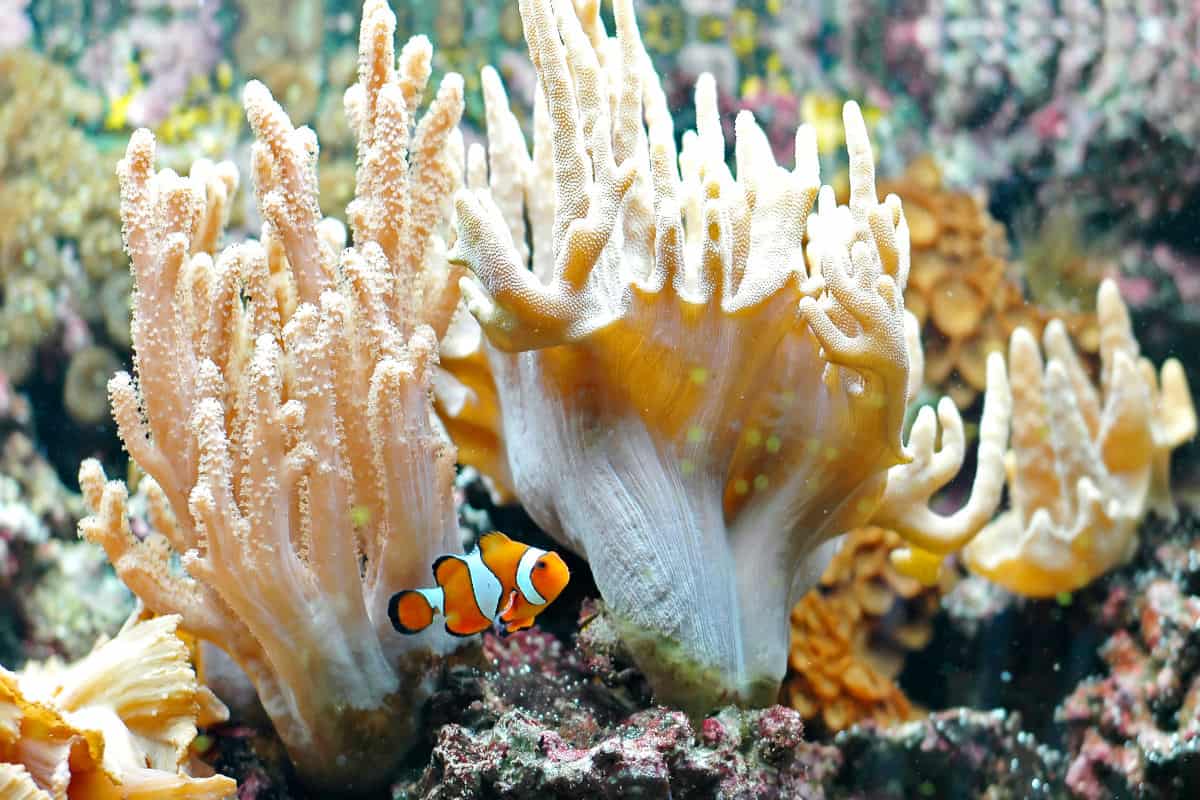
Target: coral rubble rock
{"type": "Point", "coordinates": [951, 754]}
{"type": "Point", "coordinates": [551, 721]}
{"type": "Point", "coordinates": [1135, 730]}
{"type": "Point", "coordinates": [654, 753]}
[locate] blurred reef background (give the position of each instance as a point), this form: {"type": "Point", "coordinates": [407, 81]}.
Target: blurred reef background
{"type": "Point", "coordinates": [1039, 148]}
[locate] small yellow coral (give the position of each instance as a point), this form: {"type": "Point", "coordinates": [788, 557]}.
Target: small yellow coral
{"type": "Point", "coordinates": [960, 284]}
{"type": "Point", "coordinates": [831, 680]}
{"type": "Point", "coordinates": [1084, 466]}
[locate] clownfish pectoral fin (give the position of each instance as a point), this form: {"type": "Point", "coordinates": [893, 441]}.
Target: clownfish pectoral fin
{"type": "Point", "coordinates": [506, 610]}
{"type": "Point", "coordinates": [518, 625]}
{"type": "Point", "coordinates": [410, 611]}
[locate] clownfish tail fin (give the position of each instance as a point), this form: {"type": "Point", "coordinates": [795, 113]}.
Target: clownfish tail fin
{"type": "Point", "coordinates": [411, 611]}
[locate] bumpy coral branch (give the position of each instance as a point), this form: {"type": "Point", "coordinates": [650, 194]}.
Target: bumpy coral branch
{"type": "Point", "coordinates": [905, 505]}
{"type": "Point", "coordinates": [281, 412]}
{"type": "Point", "coordinates": [1085, 466]}
{"type": "Point", "coordinates": [706, 375]}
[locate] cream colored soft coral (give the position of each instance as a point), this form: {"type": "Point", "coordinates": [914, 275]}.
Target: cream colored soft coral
{"type": "Point", "coordinates": [281, 411]}
{"type": "Point", "coordinates": [702, 377]}
{"type": "Point", "coordinates": [117, 724]}
{"type": "Point", "coordinates": [1085, 465]}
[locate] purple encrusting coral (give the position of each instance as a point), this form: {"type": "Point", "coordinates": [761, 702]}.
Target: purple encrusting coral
{"type": "Point", "coordinates": [15, 28]}
{"type": "Point", "coordinates": [1073, 92]}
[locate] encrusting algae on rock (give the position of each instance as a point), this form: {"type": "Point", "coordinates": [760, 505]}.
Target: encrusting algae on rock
{"type": "Point", "coordinates": [720, 377]}
{"type": "Point", "coordinates": [281, 413]}
{"type": "Point", "coordinates": [117, 724]}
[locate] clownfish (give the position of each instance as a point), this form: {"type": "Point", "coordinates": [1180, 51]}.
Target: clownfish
{"type": "Point", "coordinates": [499, 582]}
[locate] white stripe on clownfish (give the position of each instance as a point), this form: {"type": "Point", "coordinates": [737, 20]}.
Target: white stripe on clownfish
{"type": "Point", "coordinates": [436, 598]}
{"type": "Point", "coordinates": [487, 587]}
{"type": "Point", "coordinates": [525, 576]}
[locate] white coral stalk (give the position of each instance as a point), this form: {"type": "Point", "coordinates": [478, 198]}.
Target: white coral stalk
{"type": "Point", "coordinates": [702, 375]}
{"type": "Point", "coordinates": [1084, 465]}
{"type": "Point", "coordinates": [282, 412]}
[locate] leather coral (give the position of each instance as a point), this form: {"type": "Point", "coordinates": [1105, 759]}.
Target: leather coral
{"type": "Point", "coordinates": [702, 373]}
{"type": "Point", "coordinates": [1086, 463]}
{"type": "Point", "coordinates": [281, 411]}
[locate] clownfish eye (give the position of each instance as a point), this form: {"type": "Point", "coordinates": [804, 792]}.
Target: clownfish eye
{"type": "Point", "coordinates": [540, 564]}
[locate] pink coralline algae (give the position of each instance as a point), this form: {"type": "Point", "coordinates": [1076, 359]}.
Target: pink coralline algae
{"type": "Point", "coordinates": [524, 651]}
{"type": "Point", "coordinates": [1160, 276]}
{"type": "Point", "coordinates": [1135, 732]}
{"type": "Point", "coordinates": [654, 753]}
{"type": "Point", "coordinates": [1061, 88]}
{"type": "Point", "coordinates": [172, 41]}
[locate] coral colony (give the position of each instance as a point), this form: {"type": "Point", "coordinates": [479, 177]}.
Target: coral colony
{"type": "Point", "coordinates": [724, 376]}
{"type": "Point", "coordinates": [289, 436]}
{"type": "Point", "coordinates": [691, 365]}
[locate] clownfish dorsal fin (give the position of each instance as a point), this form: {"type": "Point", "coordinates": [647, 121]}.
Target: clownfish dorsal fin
{"type": "Point", "coordinates": [490, 542]}
{"type": "Point", "coordinates": [446, 567]}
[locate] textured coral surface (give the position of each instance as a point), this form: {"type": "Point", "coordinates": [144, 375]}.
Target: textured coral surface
{"type": "Point", "coordinates": [850, 634]}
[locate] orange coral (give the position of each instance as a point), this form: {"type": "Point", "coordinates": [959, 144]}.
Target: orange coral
{"type": "Point", "coordinates": [849, 635]}
{"type": "Point", "coordinates": [116, 724]}
{"type": "Point", "coordinates": [832, 680]}
{"type": "Point", "coordinates": [961, 284]}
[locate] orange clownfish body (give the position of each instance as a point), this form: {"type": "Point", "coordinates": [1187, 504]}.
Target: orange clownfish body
{"type": "Point", "coordinates": [499, 582]}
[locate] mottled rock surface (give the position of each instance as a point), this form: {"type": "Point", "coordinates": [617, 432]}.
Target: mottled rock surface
{"type": "Point", "coordinates": [1134, 731]}
{"type": "Point", "coordinates": [960, 753]}
{"type": "Point", "coordinates": [553, 722]}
